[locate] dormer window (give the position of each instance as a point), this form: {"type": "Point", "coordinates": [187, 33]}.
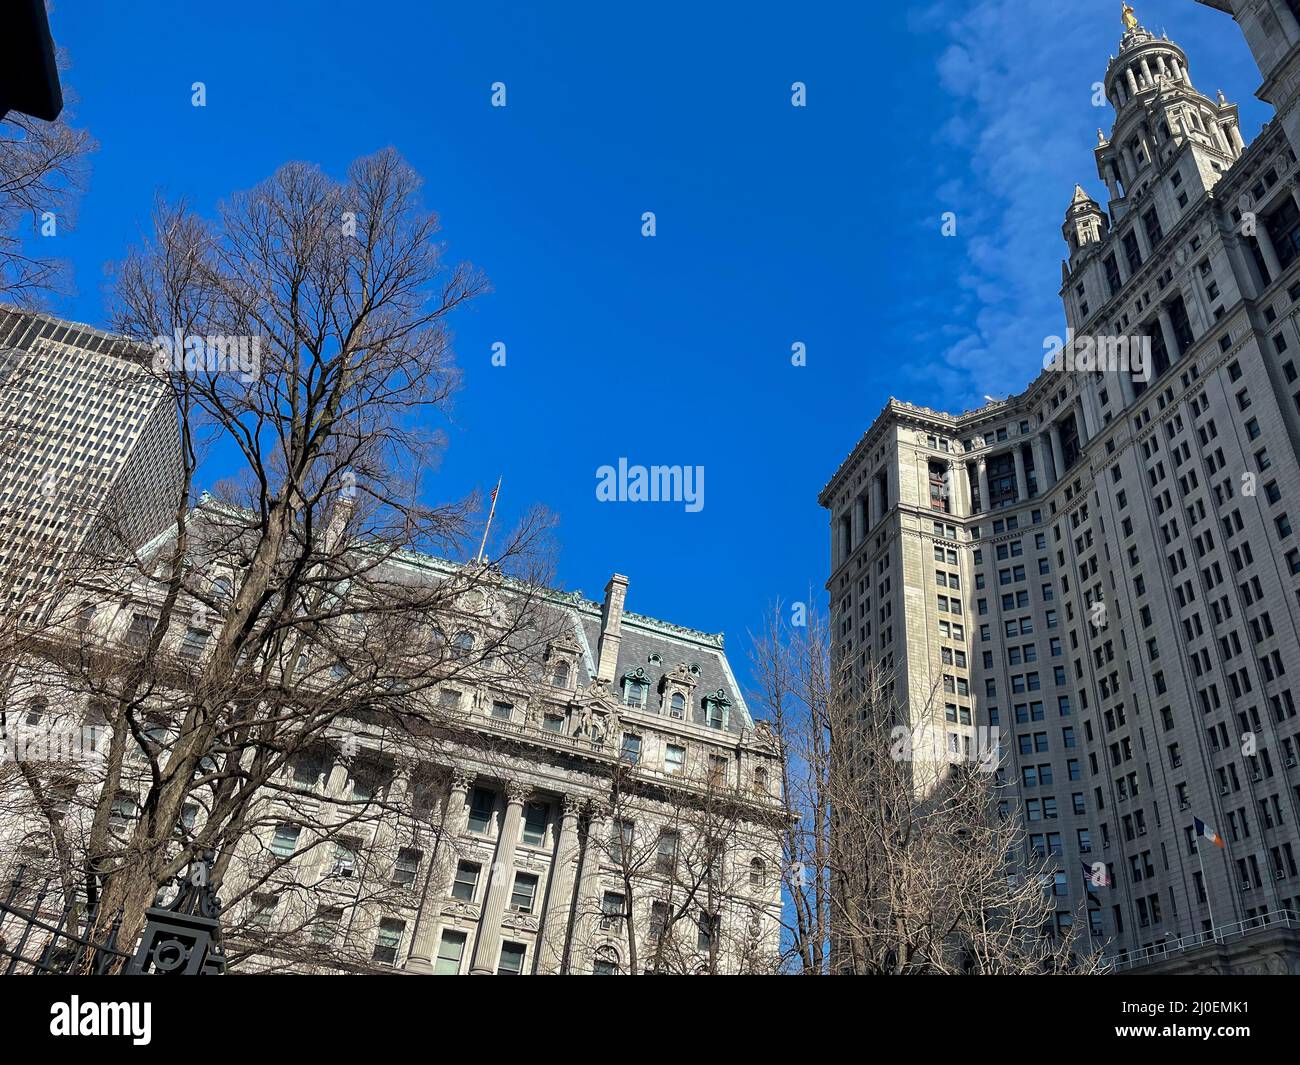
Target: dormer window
{"type": "Point", "coordinates": [636, 686]}
{"type": "Point", "coordinates": [677, 705]}
{"type": "Point", "coordinates": [715, 709]}
{"type": "Point", "coordinates": [560, 674]}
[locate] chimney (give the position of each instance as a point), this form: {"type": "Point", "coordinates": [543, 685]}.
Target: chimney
{"type": "Point", "coordinates": [611, 625]}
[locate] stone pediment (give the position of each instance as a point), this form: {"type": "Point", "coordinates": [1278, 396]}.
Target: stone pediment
{"type": "Point", "coordinates": [681, 674]}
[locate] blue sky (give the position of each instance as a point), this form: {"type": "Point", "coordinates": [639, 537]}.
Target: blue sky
{"type": "Point", "coordinates": [776, 225]}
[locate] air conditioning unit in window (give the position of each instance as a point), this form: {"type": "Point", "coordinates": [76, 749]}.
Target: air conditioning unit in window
{"type": "Point", "coordinates": [1290, 761]}
{"type": "Point", "coordinates": [1245, 885]}
{"type": "Point", "coordinates": [1223, 789]}
{"type": "Point", "coordinates": [1279, 874]}
{"type": "Point", "coordinates": [1256, 777]}
{"type": "Point", "coordinates": [1184, 805]}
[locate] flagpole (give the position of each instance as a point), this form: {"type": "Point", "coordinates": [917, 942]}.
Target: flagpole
{"type": "Point", "coordinates": [1209, 905]}
{"type": "Point", "coordinates": [487, 528]}
{"type": "Point", "coordinates": [1087, 916]}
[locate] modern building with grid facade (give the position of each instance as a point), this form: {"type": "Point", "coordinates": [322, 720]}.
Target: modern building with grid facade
{"type": "Point", "coordinates": [1104, 568]}
{"type": "Point", "coordinates": [88, 442]}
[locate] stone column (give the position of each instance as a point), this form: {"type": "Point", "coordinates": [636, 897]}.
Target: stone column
{"type": "Point", "coordinates": [958, 502]}
{"type": "Point", "coordinates": [1267, 250]}
{"type": "Point", "coordinates": [858, 525]}
{"type": "Point", "coordinates": [1083, 419]}
{"type": "Point", "coordinates": [982, 469]}
{"type": "Point", "coordinates": [442, 870]}
{"type": "Point", "coordinates": [1144, 244]}
{"type": "Point", "coordinates": [1126, 389]}
{"type": "Point", "coordinates": [559, 894]}
{"type": "Point", "coordinates": [1058, 452]}
{"type": "Point", "coordinates": [488, 943]}
{"type": "Point", "coordinates": [1022, 483]}
{"type": "Point", "coordinates": [1040, 464]}
{"type": "Point", "coordinates": [1131, 81]}
{"type": "Point", "coordinates": [589, 892]}
{"type": "Point", "coordinates": [1167, 330]}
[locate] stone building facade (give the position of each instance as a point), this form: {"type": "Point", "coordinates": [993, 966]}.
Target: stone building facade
{"type": "Point", "coordinates": [601, 803]}
{"type": "Point", "coordinates": [1103, 569]}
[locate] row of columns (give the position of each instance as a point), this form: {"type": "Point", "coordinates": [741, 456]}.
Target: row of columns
{"type": "Point", "coordinates": [868, 509]}
{"type": "Point", "coordinates": [559, 891]}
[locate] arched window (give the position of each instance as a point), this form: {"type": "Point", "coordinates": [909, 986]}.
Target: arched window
{"type": "Point", "coordinates": [36, 710]}
{"type": "Point", "coordinates": [462, 645]}
{"type": "Point", "coordinates": [716, 709]}
{"type": "Point", "coordinates": [757, 874]}
{"type": "Point", "coordinates": [560, 674]}
{"type": "Point", "coordinates": [635, 687]}
{"type": "Point", "coordinates": [760, 780]}
{"type": "Point", "coordinates": [606, 962]}
{"type": "Point", "coordinates": [678, 705]}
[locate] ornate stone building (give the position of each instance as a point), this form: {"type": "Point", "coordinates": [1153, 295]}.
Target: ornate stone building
{"type": "Point", "coordinates": [589, 796]}
{"type": "Point", "coordinates": [1103, 569]}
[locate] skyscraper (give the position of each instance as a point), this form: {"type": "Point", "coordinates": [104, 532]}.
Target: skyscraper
{"type": "Point", "coordinates": [1103, 568]}
{"type": "Point", "coordinates": [88, 442]}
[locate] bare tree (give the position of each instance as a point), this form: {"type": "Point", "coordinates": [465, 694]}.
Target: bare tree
{"type": "Point", "coordinates": [308, 333]}
{"type": "Point", "coordinates": [42, 174]}
{"type": "Point", "coordinates": [902, 856]}
{"type": "Point", "coordinates": [685, 889]}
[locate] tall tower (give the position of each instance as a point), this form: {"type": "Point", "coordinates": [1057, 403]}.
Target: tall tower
{"type": "Point", "coordinates": [1160, 116]}
{"type": "Point", "coordinates": [1272, 29]}
{"type": "Point", "coordinates": [89, 445]}
{"type": "Point", "coordinates": [1105, 568]}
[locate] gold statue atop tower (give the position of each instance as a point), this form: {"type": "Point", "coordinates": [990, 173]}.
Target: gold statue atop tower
{"type": "Point", "coordinates": [1130, 19]}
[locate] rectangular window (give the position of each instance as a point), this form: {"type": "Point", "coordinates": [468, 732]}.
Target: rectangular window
{"type": "Point", "coordinates": [480, 809]}
{"type": "Point", "coordinates": [466, 882]}
{"type": "Point", "coordinates": [535, 815]}
{"type": "Point", "coordinates": [611, 910]}
{"type": "Point", "coordinates": [194, 642]}
{"type": "Point", "coordinates": [512, 959]}
{"type": "Point", "coordinates": [407, 867]}
{"type": "Point", "coordinates": [450, 952]}
{"type": "Point", "coordinates": [389, 940]}
{"type": "Point", "coordinates": [621, 836]}
{"type": "Point", "coordinates": [524, 894]}
{"type": "Point", "coordinates": [707, 926]}
{"type": "Point", "coordinates": [666, 855]}
{"type": "Point", "coordinates": [675, 759]}
{"type": "Point", "coordinates": [285, 840]}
